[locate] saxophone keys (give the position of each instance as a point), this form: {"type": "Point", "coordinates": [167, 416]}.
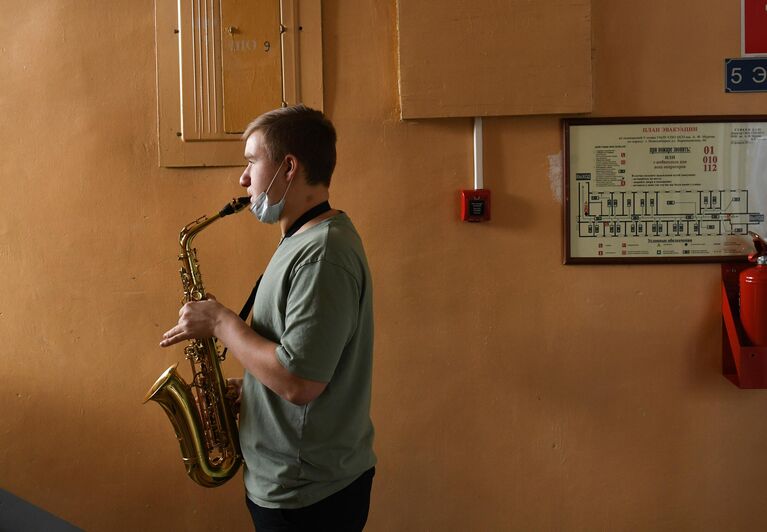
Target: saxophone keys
{"type": "Point", "coordinates": [190, 352]}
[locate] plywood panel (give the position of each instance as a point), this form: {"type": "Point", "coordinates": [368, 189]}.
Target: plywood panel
{"type": "Point", "coordinates": [517, 57]}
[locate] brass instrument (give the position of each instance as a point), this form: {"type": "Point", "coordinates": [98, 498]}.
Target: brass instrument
{"type": "Point", "coordinates": [201, 413]}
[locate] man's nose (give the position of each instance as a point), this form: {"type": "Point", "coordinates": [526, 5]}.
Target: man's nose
{"type": "Point", "coordinates": [245, 179]}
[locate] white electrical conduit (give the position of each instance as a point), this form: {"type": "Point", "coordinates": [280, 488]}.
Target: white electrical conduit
{"type": "Point", "coordinates": [478, 170]}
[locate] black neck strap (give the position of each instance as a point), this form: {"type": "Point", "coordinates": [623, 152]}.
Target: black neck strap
{"type": "Point", "coordinates": [309, 215]}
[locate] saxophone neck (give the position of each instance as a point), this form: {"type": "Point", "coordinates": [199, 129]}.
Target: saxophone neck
{"type": "Point", "coordinates": [191, 229]}
{"type": "Point", "coordinates": [190, 272]}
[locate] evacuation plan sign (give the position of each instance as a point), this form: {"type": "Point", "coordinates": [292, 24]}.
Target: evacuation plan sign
{"type": "Point", "coordinates": [664, 191]}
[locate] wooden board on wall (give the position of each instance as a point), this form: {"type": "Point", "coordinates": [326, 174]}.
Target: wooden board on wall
{"type": "Point", "coordinates": [486, 58]}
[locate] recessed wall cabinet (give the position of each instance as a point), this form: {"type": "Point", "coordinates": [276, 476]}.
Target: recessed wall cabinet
{"type": "Point", "coordinates": [221, 63]}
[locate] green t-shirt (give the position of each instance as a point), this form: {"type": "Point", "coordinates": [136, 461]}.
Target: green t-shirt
{"type": "Point", "coordinates": [315, 302]}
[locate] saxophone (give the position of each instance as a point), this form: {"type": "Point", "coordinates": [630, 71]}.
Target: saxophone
{"type": "Point", "coordinates": [201, 412]}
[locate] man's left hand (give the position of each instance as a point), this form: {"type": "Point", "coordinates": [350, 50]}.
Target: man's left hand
{"type": "Point", "coordinates": [197, 319]}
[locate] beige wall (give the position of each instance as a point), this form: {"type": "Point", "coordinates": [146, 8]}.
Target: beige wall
{"type": "Point", "coordinates": [511, 392]}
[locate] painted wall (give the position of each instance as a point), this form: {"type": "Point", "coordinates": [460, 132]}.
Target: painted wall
{"type": "Point", "coordinates": [511, 392]}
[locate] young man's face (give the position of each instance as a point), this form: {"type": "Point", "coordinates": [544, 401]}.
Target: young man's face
{"type": "Point", "coordinates": [260, 170]}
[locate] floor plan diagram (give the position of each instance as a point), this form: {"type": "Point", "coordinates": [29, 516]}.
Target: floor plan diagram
{"type": "Point", "coordinates": [664, 213]}
{"type": "Point", "coordinates": [660, 191]}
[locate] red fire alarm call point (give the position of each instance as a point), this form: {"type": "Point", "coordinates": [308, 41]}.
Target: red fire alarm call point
{"type": "Point", "coordinates": [475, 205]}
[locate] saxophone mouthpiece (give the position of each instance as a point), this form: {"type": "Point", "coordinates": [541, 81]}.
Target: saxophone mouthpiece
{"type": "Point", "coordinates": [236, 205]}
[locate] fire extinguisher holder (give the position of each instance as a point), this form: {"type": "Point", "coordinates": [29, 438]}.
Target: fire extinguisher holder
{"type": "Point", "coordinates": [742, 363]}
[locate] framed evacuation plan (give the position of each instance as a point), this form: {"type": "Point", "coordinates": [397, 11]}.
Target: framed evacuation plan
{"type": "Point", "coordinates": [664, 189]}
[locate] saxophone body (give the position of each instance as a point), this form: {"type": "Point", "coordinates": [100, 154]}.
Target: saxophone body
{"type": "Point", "coordinates": [200, 412]}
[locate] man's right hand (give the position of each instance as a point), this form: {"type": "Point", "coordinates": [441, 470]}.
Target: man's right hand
{"type": "Point", "coordinates": [234, 394]}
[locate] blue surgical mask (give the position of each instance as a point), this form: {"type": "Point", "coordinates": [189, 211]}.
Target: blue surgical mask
{"type": "Point", "coordinates": [269, 214]}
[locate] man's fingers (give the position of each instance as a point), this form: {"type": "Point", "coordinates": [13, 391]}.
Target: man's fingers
{"type": "Point", "coordinates": [172, 340]}
{"type": "Point", "coordinates": [173, 336]}
{"type": "Point", "coordinates": [171, 332]}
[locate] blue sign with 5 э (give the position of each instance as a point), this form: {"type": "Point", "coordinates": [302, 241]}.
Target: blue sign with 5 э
{"type": "Point", "coordinates": [745, 74]}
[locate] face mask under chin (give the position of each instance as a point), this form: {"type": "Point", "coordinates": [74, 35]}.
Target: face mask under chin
{"type": "Point", "coordinates": [265, 213]}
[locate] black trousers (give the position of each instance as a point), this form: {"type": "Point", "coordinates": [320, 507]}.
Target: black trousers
{"type": "Point", "coordinates": [344, 511]}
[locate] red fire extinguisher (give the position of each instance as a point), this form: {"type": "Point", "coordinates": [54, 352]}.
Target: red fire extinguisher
{"type": "Point", "coordinates": [753, 294]}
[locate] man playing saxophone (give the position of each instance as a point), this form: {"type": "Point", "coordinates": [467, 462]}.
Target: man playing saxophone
{"type": "Point", "coordinates": [305, 428]}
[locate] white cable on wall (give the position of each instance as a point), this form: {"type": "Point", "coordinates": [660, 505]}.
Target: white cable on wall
{"type": "Point", "coordinates": [478, 170]}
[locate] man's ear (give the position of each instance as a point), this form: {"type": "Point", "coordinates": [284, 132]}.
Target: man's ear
{"type": "Point", "coordinates": [291, 167]}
